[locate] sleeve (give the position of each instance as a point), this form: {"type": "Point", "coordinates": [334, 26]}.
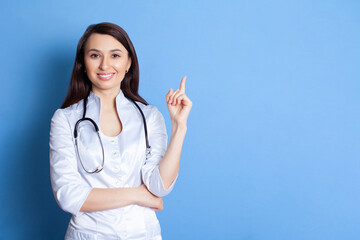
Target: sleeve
{"type": "Point", "coordinates": [69, 189]}
{"type": "Point", "coordinates": [158, 142]}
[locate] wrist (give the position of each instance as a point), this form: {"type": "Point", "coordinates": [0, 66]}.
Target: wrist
{"type": "Point", "coordinates": [136, 195]}
{"type": "Point", "coordinates": [179, 128]}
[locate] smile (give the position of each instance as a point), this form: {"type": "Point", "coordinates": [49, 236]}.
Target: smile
{"type": "Point", "coordinates": [106, 76]}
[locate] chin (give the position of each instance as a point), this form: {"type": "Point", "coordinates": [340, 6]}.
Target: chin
{"type": "Point", "coordinates": [103, 86]}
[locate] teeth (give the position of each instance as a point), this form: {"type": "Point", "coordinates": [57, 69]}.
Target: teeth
{"type": "Point", "coordinates": [106, 75]}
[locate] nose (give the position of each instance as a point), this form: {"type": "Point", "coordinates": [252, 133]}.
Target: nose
{"type": "Point", "coordinates": [104, 64]}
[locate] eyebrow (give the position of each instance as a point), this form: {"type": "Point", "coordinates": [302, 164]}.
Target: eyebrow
{"type": "Point", "coordinates": [112, 50]}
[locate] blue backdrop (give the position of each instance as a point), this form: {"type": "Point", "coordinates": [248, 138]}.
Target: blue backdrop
{"type": "Point", "coordinates": [272, 148]}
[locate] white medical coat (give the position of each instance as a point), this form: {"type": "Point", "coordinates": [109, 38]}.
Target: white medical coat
{"type": "Point", "coordinates": [125, 167]}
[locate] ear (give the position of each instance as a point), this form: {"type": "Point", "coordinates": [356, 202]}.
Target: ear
{"type": "Point", "coordinates": [129, 64]}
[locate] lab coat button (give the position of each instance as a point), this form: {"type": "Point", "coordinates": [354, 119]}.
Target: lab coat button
{"type": "Point", "coordinates": [115, 153]}
{"type": "Point", "coordinates": [112, 141]}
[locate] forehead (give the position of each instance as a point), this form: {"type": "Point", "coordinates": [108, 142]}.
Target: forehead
{"type": "Point", "coordinates": [103, 42]}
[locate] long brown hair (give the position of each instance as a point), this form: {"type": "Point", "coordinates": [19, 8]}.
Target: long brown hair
{"type": "Point", "coordinates": [80, 84]}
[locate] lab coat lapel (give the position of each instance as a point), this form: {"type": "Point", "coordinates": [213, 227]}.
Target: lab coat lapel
{"type": "Point", "coordinates": [123, 107]}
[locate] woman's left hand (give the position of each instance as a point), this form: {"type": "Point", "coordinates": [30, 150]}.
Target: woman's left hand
{"type": "Point", "coordinates": [179, 104]}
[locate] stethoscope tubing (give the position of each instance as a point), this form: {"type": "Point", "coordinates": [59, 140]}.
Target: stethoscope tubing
{"type": "Point", "coordinates": [101, 167]}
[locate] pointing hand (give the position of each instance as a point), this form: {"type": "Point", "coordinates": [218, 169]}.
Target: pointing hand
{"type": "Point", "coordinates": [179, 104]}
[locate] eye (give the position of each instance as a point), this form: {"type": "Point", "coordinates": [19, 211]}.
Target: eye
{"type": "Point", "coordinates": [116, 55]}
{"type": "Point", "coordinates": [94, 55]}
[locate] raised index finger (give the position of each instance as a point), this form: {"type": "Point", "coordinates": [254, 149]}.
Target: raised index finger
{"type": "Point", "coordinates": [182, 84]}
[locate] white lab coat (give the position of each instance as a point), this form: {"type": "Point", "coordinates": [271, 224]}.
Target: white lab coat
{"type": "Point", "coordinates": [125, 166]}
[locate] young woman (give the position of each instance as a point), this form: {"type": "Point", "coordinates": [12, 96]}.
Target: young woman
{"type": "Point", "coordinates": [110, 164]}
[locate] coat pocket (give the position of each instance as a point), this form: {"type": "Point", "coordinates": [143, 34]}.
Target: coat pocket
{"type": "Point", "coordinates": [73, 234]}
{"type": "Point", "coordinates": [153, 229]}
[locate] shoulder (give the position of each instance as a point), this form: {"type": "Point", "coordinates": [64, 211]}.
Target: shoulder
{"type": "Point", "coordinates": [151, 112]}
{"type": "Point", "coordinates": [63, 114]}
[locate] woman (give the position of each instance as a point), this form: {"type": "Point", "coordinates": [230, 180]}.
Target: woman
{"type": "Point", "coordinates": [113, 180]}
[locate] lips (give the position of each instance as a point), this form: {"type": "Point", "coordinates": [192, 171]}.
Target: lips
{"type": "Point", "coordinates": [105, 76]}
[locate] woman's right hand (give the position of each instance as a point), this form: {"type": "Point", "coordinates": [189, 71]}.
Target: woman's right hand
{"type": "Point", "coordinates": [147, 199]}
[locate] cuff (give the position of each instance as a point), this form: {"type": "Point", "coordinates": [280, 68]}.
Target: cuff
{"type": "Point", "coordinates": [158, 188]}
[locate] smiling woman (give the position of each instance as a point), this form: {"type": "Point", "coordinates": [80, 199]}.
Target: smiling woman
{"type": "Point", "coordinates": [106, 63]}
{"type": "Point", "coordinates": [81, 80]}
{"type": "Point", "coordinates": [103, 63]}
{"type": "Point", "coordinates": [108, 177]}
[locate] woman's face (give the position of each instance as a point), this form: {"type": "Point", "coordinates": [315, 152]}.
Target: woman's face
{"type": "Point", "coordinates": [106, 61]}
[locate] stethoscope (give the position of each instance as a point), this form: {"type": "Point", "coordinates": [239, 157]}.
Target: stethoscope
{"type": "Point", "coordinates": [101, 167]}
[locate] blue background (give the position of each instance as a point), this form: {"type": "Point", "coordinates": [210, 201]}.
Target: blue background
{"type": "Point", "coordinates": [272, 148]}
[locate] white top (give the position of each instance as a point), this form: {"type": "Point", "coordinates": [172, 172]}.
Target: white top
{"type": "Point", "coordinates": [125, 166]}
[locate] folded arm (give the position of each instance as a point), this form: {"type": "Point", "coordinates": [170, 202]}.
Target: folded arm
{"type": "Point", "coordinates": [71, 192]}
